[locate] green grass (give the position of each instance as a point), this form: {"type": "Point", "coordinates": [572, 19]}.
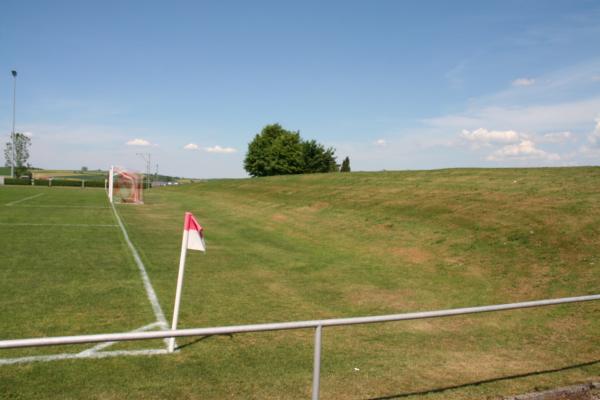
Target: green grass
{"type": "Point", "coordinates": [59, 277]}
{"type": "Point", "coordinates": [316, 246]}
{"type": "Point", "coordinates": [69, 174]}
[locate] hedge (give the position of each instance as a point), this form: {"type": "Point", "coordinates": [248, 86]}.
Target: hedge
{"type": "Point", "coordinates": [94, 184]}
{"type": "Point", "coordinates": [55, 182]}
{"type": "Point", "coordinates": [62, 182]}
{"type": "Point", "coordinates": [16, 181]}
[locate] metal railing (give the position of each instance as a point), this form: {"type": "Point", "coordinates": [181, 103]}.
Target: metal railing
{"type": "Point", "coordinates": [317, 324]}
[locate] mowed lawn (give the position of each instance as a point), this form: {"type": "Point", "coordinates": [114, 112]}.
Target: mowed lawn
{"type": "Point", "coordinates": [338, 245]}
{"type": "Point", "coordinates": [65, 268]}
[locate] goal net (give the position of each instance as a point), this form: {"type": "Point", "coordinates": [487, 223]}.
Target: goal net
{"type": "Point", "coordinates": [125, 186]}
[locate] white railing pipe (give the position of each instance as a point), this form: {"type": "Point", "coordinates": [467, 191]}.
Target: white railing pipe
{"type": "Point", "coordinates": [224, 330]}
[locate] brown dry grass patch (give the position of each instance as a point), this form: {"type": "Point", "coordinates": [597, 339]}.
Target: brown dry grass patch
{"type": "Point", "coordinates": [414, 255]}
{"type": "Point", "coordinates": [279, 218]}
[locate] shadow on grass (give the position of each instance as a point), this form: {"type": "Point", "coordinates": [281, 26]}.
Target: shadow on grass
{"type": "Point", "coordinates": [491, 380]}
{"type": "Point", "coordinates": [193, 342]}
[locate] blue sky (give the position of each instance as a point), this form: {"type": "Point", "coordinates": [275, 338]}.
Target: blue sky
{"type": "Point", "coordinates": [392, 84]}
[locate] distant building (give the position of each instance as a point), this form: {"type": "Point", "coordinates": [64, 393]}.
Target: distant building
{"type": "Point", "coordinates": [159, 183]}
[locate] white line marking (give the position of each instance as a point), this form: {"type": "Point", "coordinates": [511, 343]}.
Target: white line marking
{"type": "Point", "coordinates": [158, 312]}
{"type": "Point", "coordinates": [70, 356]}
{"type": "Point", "coordinates": [24, 199]}
{"type": "Point", "coordinates": [94, 352]}
{"type": "Point", "coordinates": [104, 345]}
{"type": "Point", "coordinates": [79, 225]}
{"type": "Point", "coordinates": [59, 206]}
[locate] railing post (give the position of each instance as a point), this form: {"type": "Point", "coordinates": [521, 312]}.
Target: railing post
{"type": "Point", "coordinates": [317, 364]}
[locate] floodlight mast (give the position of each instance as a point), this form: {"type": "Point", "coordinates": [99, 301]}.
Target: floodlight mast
{"type": "Point", "coordinates": [12, 135]}
{"type": "Point", "coordinates": [147, 157]}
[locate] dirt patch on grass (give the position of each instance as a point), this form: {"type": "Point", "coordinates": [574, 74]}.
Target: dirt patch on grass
{"type": "Point", "coordinates": [319, 205]}
{"type": "Point", "coordinates": [535, 282]}
{"type": "Point", "coordinates": [567, 327]}
{"type": "Point", "coordinates": [279, 218]}
{"type": "Point", "coordinates": [479, 365]}
{"type": "Point", "coordinates": [412, 254]}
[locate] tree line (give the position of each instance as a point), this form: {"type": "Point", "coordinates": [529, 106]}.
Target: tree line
{"type": "Point", "coordinates": [16, 153]}
{"type": "Point", "coordinates": [277, 151]}
{"type": "Point", "coordinates": [273, 151]}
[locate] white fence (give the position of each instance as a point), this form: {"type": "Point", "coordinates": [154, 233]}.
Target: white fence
{"type": "Point", "coordinates": [318, 325]}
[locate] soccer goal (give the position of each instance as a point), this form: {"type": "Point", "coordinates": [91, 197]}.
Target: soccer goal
{"type": "Point", "coordinates": [125, 186]}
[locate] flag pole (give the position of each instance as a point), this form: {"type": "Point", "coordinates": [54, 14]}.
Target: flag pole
{"type": "Point", "coordinates": [179, 287]}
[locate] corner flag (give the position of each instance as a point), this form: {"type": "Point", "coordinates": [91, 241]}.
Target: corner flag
{"type": "Point", "coordinates": [195, 239]}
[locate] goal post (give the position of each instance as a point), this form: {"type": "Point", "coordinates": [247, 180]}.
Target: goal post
{"type": "Point", "coordinates": [125, 186]}
{"type": "Point", "coordinates": [111, 183]}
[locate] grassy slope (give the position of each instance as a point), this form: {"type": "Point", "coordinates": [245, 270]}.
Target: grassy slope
{"type": "Point", "coordinates": [338, 245]}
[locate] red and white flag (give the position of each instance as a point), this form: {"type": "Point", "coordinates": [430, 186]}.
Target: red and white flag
{"type": "Point", "coordinates": [193, 239]}
{"type": "Point", "coordinates": [195, 233]}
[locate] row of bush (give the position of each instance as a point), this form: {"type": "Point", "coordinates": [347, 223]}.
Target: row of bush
{"type": "Point", "coordinates": [53, 182]}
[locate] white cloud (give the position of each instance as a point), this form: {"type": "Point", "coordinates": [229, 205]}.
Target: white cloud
{"type": "Point", "coordinates": [525, 150]}
{"type": "Point", "coordinates": [556, 137]}
{"type": "Point", "coordinates": [511, 145]}
{"type": "Point", "coordinates": [219, 149]}
{"type": "Point", "coordinates": [28, 134]}
{"type": "Point", "coordinates": [592, 148]}
{"type": "Point", "coordinates": [191, 146]}
{"type": "Point", "coordinates": [546, 106]}
{"type": "Point", "coordinates": [523, 82]}
{"type": "Point", "coordinates": [596, 78]}
{"type": "Point", "coordinates": [138, 142]}
{"type": "Point", "coordinates": [594, 137]}
{"type": "Point", "coordinates": [381, 142]}
{"type": "Point", "coordinates": [485, 136]}
{"type": "Point", "coordinates": [547, 117]}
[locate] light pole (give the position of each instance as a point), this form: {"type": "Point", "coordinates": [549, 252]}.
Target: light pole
{"type": "Point", "coordinates": [12, 135]}
{"type": "Point", "coordinates": [147, 159]}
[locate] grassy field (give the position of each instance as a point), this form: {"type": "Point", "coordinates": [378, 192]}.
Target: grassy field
{"type": "Point", "coordinates": [305, 247]}
{"type": "Point", "coordinates": [69, 174]}
{"type": "Point", "coordinates": [66, 174]}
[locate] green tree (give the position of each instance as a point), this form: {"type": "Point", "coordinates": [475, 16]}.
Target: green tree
{"type": "Point", "coordinates": [316, 158]}
{"type": "Point", "coordinates": [345, 165]}
{"type": "Point", "coordinates": [275, 151]}
{"type": "Point", "coordinates": [22, 143]}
